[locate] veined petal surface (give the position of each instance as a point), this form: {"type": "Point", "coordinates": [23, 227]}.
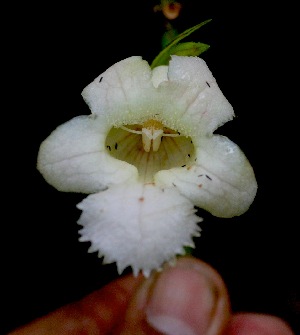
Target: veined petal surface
{"type": "Point", "coordinates": [124, 93]}
{"type": "Point", "coordinates": [74, 158]}
{"type": "Point", "coordinates": [184, 95]}
{"type": "Point", "coordinates": [138, 225]}
{"type": "Point", "coordinates": [193, 98]}
{"type": "Point", "coordinates": [221, 180]}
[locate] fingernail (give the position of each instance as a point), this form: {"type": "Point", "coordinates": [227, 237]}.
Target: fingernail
{"type": "Point", "coordinates": [182, 302]}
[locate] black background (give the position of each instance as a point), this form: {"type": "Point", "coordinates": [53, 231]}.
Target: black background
{"type": "Point", "coordinates": [53, 52]}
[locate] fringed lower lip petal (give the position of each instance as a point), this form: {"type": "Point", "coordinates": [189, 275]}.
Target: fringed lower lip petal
{"type": "Point", "coordinates": [140, 225]}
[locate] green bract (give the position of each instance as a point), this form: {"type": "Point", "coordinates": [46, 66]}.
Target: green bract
{"type": "Point", "coordinates": [181, 49]}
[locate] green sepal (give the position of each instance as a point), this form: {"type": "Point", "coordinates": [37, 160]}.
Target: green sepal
{"type": "Point", "coordinates": [188, 49]}
{"type": "Point", "coordinates": [164, 56]}
{"type": "Point", "coordinates": [168, 37]}
{"type": "Point", "coordinates": [188, 250]}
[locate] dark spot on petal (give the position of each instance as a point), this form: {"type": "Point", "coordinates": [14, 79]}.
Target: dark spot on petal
{"type": "Point", "coordinates": [200, 185]}
{"type": "Point", "coordinates": [207, 84]}
{"type": "Point", "coordinates": [100, 79]}
{"type": "Point", "coordinates": [141, 199]}
{"type": "Point", "coordinates": [208, 177]}
{"type": "Point", "coordinates": [116, 146]}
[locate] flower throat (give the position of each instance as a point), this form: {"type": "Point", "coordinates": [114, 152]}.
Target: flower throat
{"type": "Point", "coordinates": [150, 147]}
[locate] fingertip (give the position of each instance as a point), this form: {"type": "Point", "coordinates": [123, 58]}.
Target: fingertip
{"type": "Point", "coordinates": [188, 298]}
{"type": "Point", "coordinates": [258, 324]}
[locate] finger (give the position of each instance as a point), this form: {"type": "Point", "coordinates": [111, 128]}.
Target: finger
{"type": "Point", "coordinates": [97, 313]}
{"type": "Point", "coordinates": [257, 324]}
{"type": "Point", "coordinates": [189, 298]}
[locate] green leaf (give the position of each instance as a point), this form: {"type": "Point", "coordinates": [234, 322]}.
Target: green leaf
{"type": "Point", "coordinates": [168, 37]}
{"type": "Point", "coordinates": [188, 49]}
{"type": "Point", "coordinates": [183, 49]}
{"type": "Point", "coordinates": [163, 57]}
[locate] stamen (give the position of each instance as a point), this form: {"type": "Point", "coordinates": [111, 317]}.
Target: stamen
{"type": "Point", "coordinates": [151, 136]}
{"type": "Point", "coordinates": [131, 130]}
{"type": "Point", "coordinates": [152, 132]}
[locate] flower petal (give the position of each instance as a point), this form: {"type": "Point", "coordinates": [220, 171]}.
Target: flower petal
{"type": "Point", "coordinates": [221, 181]}
{"type": "Point", "coordinates": [74, 158]}
{"type": "Point", "coordinates": [138, 225]}
{"type": "Point", "coordinates": [193, 98]}
{"type": "Point", "coordinates": [124, 93]}
{"type": "Point", "coordinates": [159, 74]}
{"type": "Point", "coordinates": [183, 96]}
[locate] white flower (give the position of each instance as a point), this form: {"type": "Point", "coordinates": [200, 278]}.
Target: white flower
{"type": "Point", "coordinates": [147, 155]}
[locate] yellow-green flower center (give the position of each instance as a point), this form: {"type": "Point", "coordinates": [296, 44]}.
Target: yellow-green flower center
{"type": "Point", "coordinates": [150, 147]}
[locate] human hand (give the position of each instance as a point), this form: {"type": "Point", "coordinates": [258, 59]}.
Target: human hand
{"type": "Point", "coordinates": [187, 299]}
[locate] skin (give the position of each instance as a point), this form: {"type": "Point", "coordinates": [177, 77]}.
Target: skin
{"type": "Point", "coordinates": [186, 299]}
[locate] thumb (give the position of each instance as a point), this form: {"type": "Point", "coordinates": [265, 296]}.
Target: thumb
{"type": "Point", "coordinates": [189, 298]}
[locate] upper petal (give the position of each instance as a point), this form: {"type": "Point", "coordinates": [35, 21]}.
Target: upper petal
{"type": "Point", "coordinates": [74, 158]}
{"type": "Point", "coordinates": [159, 74]}
{"type": "Point", "coordinates": [138, 225]}
{"type": "Point", "coordinates": [184, 95]}
{"type": "Point", "coordinates": [193, 98]}
{"type": "Point", "coordinates": [221, 181]}
{"type": "Point", "coordinates": [124, 93]}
